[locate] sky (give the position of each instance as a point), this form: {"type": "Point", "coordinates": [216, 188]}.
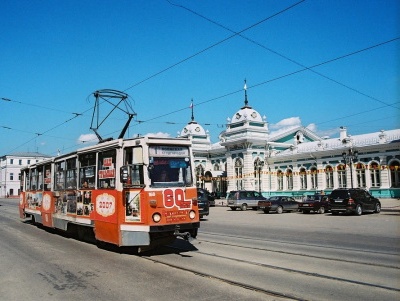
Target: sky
{"type": "Point", "coordinates": [320, 64]}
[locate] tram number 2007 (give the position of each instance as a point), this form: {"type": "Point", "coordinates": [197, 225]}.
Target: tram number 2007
{"type": "Point", "coordinates": [175, 198]}
{"type": "Point", "coordinates": [105, 205]}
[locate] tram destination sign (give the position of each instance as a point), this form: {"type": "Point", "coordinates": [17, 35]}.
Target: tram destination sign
{"type": "Point", "coordinates": [168, 151]}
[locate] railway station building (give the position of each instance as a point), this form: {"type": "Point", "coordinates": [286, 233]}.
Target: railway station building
{"type": "Point", "coordinates": [296, 162]}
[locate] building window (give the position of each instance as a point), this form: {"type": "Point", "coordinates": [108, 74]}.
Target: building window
{"type": "Point", "coordinates": [200, 175]}
{"type": "Point", "coordinates": [11, 161]}
{"type": "Point", "coordinates": [239, 174]}
{"type": "Point", "coordinates": [375, 174]}
{"type": "Point", "coordinates": [360, 172]}
{"type": "Point", "coordinates": [289, 179]}
{"type": "Point", "coordinates": [341, 169]}
{"type": "Point", "coordinates": [314, 178]}
{"type": "Point", "coordinates": [29, 162]}
{"type": "Point", "coordinates": [303, 178]}
{"type": "Point", "coordinates": [11, 176]}
{"type": "Point", "coordinates": [279, 176]}
{"type": "Point", "coordinates": [20, 162]}
{"type": "Point", "coordinates": [329, 176]}
{"type": "Point", "coordinates": [395, 174]}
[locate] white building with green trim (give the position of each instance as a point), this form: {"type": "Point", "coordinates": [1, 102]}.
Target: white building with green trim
{"type": "Point", "coordinates": [295, 162]}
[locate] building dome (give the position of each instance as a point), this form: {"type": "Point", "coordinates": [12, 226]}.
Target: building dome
{"type": "Point", "coordinates": [193, 128]}
{"type": "Point", "coordinates": [246, 113]}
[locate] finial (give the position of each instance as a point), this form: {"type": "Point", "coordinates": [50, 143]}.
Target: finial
{"type": "Point", "coordinates": [245, 94]}
{"type": "Point", "coordinates": [191, 106]}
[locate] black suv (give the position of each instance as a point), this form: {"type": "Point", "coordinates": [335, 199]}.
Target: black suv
{"type": "Point", "coordinates": [203, 202]}
{"type": "Point", "coordinates": [353, 200]}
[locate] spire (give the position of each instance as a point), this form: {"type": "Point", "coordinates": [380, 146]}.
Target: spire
{"type": "Point", "coordinates": [246, 102]}
{"type": "Point", "coordinates": [191, 106]}
{"type": "Point", "coordinates": [245, 94]}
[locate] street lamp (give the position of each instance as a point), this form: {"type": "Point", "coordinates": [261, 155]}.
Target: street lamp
{"type": "Point", "coordinates": [349, 158]}
{"type": "Point", "coordinates": [258, 165]}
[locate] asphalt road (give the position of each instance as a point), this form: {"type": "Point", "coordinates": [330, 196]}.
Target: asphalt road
{"type": "Point", "coordinates": [237, 256]}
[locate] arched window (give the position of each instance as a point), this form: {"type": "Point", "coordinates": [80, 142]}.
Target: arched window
{"type": "Point", "coordinates": [289, 179]}
{"type": "Point", "coordinates": [303, 178]}
{"type": "Point", "coordinates": [341, 169]}
{"type": "Point", "coordinates": [395, 174]}
{"type": "Point", "coordinates": [375, 174]}
{"type": "Point", "coordinates": [258, 165]}
{"type": "Point", "coordinates": [279, 176]}
{"type": "Point", "coordinates": [199, 175]}
{"type": "Point", "coordinates": [216, 167]}
{"type": "Point", "coordinates": [239, 173]}
{"type": "Point", "coordinates": [329, 176]}
{"type": "Point", "coordinates": [360, 173]}
{"type": "Point", "coordinates": [314, 179]}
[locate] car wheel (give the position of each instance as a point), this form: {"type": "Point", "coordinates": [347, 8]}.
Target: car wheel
{"type": "Point", "coordinates": [279, 210]}
{"type": "Point", "coordinates": [377, 208]}
{"type": "Point", "coordinates": [266, 211]}
{"type": "Point", "coordinates": [244, 207]}
{"type": "Point", "coordinates": [358, 210]}
{"type": "Point", "coordinates": [321, 210]}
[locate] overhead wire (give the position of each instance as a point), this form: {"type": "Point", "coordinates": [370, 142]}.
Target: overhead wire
{"type": "Point", "coordinates": [239, 33]}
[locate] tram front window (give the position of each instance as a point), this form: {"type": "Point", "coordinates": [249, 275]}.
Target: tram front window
{"type": "Point", "coordinates": [169, 172]}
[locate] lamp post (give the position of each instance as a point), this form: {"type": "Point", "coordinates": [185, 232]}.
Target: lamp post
{"type": "Point", "coordinates": [349, 158]}
{"type": "Point", "coordinates": [258, 165]}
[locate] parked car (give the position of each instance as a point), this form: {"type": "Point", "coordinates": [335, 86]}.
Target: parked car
{"type": "Point", "coordinates": [353, 200]}
{"type": "Point", "coordinates": [315, 203]}
{"type": "Point", "coordinates": [210, 197]}
{"type": "Point", "coordinates": [279, 204]}
{"type": "Point", "coordinates": [203, 203]}
{"type": "Point", "coordinates": [244, 199]}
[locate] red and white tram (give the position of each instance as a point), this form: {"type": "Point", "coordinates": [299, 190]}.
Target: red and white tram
{"type": "Point", "coordinates": [129, 192]}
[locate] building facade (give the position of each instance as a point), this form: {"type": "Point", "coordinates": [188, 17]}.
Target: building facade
{"type": "Point", "coordinates": [10, 171]}
{"type": "Point", "coordinates": [295, 162]}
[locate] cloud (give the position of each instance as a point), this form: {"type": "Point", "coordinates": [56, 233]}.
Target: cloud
{"type": "Point", "coordinates": [286, 123]}
{"type": "Point", "coordinates": [158, 134]}
{"type": "Point", "coordinates": [88, 138]}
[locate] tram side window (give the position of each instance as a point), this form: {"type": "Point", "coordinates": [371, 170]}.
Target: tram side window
{"type": "Point", "coordinates": [132, 171]}
{"type": "Point", "coordinates": [71, 173]}
{"type": "Point", "coordinates": [34, 178]}
{"type": "Point", "coordinates": [60, 175]}
{"type": "Point", "coordinates": [47, 177]}
{"type": "Point", "coordinates": [27, 180]}
{"type": "Point", "coordinates": [40, 178]}
{"type": "Point", "coordinates": [107, 169]}
{"type": "Point", "coordinates": [87, 170]}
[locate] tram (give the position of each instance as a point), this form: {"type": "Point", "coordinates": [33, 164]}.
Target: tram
{"type": "Point", "coordinates": [127, 192]}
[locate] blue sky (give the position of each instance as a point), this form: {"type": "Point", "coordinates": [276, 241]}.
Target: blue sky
{"type": "Point", "coordinates": [322, 64]}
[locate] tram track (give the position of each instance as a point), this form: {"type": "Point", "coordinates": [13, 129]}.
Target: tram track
{"type": "Point", "coordinates": [304, 254]}
{"type": "Point", "coordinates": [288, 270]}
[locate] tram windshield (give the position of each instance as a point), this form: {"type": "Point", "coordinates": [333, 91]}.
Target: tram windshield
{"type": "Point", "coordinates": [171, 168]}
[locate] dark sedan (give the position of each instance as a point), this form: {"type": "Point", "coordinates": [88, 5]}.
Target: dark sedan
{"type": "Point", "coordinates": [279, 204]}
{"type": "Point", "coordinates": [315, 203]}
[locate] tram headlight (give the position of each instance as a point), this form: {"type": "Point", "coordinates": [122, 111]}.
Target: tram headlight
{"type": "Point", "coordinates": [156, 217]}
{"type": "Point", "coordinates": [192, 214]}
